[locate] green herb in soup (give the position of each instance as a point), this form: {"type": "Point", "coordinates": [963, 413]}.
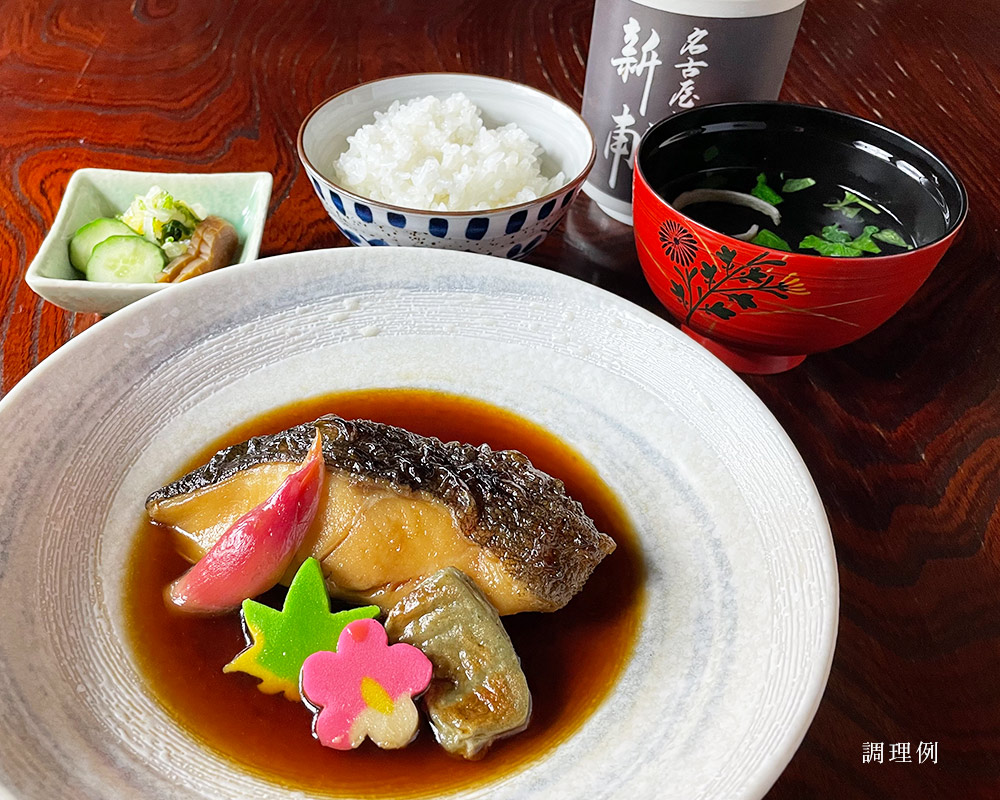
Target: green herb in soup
{"type": "Point", "coordinates": [833, 241]}
{"type": "Point", "coordinates": [851, 205]}
{"type": "Point", "coordinates": [814, 218]}
{"type": "Point", "coordinates": [765, 192]}
{"type": "Point", "coordinates": [768, 238]}
{"type": "Point", "coordinates": [797, 184]}
{"type": "Point", "coordinates": [890, 236]}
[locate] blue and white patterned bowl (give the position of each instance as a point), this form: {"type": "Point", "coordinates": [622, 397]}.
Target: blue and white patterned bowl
{"type": "Point", "coordinates": [512, 231]}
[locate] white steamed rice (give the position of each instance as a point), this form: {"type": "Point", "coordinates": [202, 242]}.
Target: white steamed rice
{"type": "Point", "coordinates": [436, 154]}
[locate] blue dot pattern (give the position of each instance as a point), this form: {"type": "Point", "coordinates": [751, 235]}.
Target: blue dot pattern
{"type": "Point", "coordinates": [545, 210]}
{"type": "Point", "coordinates": [477, 227]}
{"type": "Point", "coordinates": [516, 221]}
{"type": "Point", "coordinates": [337, 202]}
{"type": "Point", "coordinates": [513, 234]}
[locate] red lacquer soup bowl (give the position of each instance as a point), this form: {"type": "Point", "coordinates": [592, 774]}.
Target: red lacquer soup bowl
{"type": "Point", "coordinates": [775, 230]}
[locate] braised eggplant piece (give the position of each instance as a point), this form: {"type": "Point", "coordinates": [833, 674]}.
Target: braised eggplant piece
{"type": "Point", "coordinates": [478, 693]}
{"type": "Point", "coordinates": [213, 246]}
{"type": "Point", "coordinates": [397, 507]}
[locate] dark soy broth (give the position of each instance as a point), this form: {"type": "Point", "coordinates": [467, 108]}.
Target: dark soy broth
{"type": "Point", "coordinates": [572, 658]}
{"type": "Point", "coordinates": [803, 212]}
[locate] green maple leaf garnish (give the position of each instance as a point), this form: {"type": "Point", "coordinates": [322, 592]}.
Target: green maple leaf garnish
{"type": "Point", "coordinates": [278, 642]}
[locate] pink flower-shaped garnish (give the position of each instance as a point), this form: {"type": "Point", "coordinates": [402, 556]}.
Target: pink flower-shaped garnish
{"type": "Point", "coordinates": [365, 689]}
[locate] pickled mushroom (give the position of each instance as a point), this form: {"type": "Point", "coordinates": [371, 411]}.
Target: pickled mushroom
{"type": "Point", "coordinates": [213, 245]}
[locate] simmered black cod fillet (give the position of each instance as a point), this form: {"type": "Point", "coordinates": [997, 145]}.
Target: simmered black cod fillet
{"type": "Point", "coordinates": [396, 508]}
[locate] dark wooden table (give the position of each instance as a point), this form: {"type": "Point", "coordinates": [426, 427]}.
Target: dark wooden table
{"type": "Point", "coordinates": [901, 430]}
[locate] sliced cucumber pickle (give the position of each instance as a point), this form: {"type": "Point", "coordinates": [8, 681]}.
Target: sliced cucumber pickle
{"type": "Point", "coordinates": [125, 259]}
{"type": "Point", "coordinates": [88, 236]}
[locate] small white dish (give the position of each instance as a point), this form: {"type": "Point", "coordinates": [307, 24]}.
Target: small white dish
{"type": "Point", "coordinates": [239, 197]}
{"type": "Point", "coordinates": [510, 232]}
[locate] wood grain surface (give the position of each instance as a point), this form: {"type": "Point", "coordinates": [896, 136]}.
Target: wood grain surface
{"type": "Point", "coordinates": [900, 430]}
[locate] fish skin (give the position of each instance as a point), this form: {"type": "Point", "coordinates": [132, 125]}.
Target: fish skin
{"type": "Point", "coordinates": [521, 515]}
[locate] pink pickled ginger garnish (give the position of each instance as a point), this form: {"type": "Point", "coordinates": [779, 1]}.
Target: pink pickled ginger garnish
{"type": "Point", "coordinates": [253, 554]}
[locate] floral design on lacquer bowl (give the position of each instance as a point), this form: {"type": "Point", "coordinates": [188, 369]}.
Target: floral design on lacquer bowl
{"type": "Point", "coordinates": [723, 284]}
{"type": "Point", "coordinates": [763, 310]}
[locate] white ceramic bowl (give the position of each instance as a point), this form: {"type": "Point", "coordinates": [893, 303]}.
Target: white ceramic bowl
{"type": "Point", "coordinates": [238, 197]}
{"type": "Point", "coordinates": [740, 586]}
{"type": "Point", "coordinates": [512, 231]}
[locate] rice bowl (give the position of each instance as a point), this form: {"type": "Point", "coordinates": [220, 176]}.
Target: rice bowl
{"type": "Point", "coordinates": [512, 230]}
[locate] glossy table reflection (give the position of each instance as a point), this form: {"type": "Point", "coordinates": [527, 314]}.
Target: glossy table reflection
{"type": "Point", "coordinates": [901, 430]}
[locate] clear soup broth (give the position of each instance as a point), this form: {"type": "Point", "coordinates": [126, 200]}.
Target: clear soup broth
{"type": "Point", "coordinates": [818, 217]}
